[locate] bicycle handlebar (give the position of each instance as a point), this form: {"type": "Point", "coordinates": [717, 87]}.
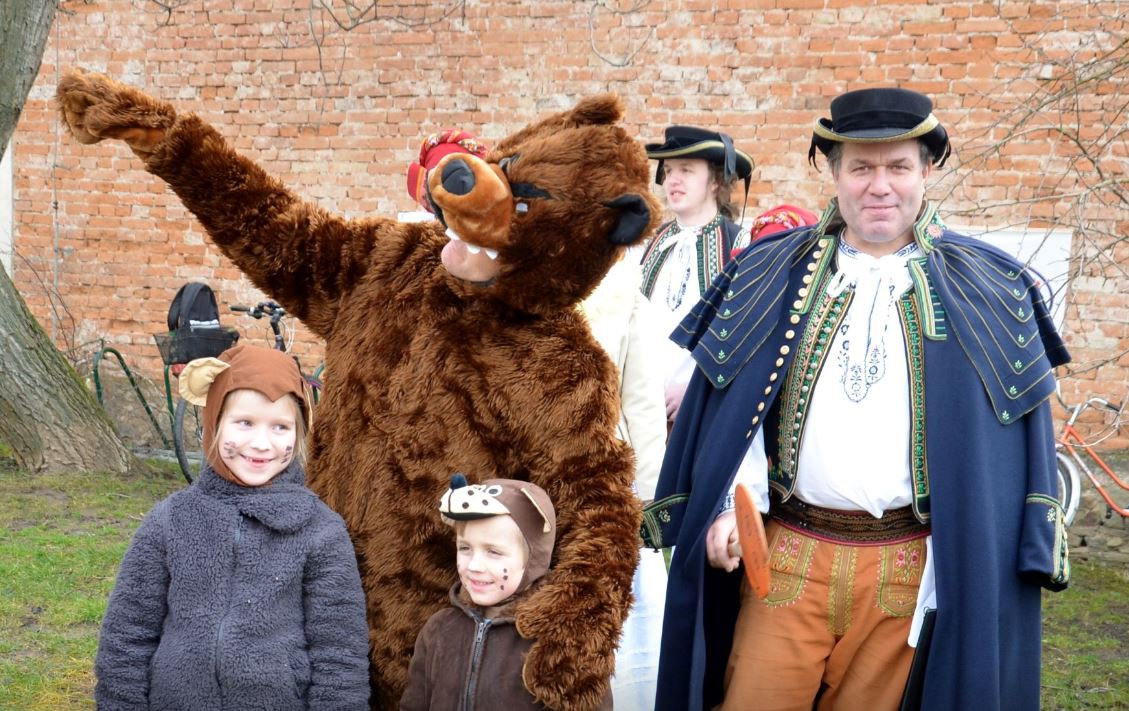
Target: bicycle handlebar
{"type": "Point", "coordinates": [1076, 410]}
{"type": "Point", "coordinates": [1106, 404]}
{"type": "Point", "coordinates": [266, 308]}
{"type": "Point", "coordinates": [261, 309]}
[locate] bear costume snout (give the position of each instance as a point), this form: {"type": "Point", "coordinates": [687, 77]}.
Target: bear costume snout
{"type": "Point", "coordinates": [473, 199]}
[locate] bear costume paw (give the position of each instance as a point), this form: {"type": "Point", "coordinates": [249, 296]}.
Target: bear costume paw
{"type": "Point", "coordinates": [94, 107]}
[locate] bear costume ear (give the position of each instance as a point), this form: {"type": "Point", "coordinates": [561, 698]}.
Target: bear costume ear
{"type": "Point", "coordinates": [634, 217]}
{"type": "Point", "coordinates": [598, 110]}
{"type": "Point", "coordinates": [197, 377]}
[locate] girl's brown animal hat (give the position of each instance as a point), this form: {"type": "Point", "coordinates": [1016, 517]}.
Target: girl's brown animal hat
{"type": "Point", "coordinates": [208, 381]}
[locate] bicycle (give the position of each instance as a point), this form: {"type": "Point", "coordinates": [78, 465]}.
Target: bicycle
{"type": "Point", "coordinates": [188, 424]}
{"type": "Point", "coordinates": [1068, 452]}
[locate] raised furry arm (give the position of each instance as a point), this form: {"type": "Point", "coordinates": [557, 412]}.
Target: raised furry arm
{"type": "Point", "coordinates": [298, 254]}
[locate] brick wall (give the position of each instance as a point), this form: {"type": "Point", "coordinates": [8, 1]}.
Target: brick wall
{"type": "Point", "coordinates": [101, 246]}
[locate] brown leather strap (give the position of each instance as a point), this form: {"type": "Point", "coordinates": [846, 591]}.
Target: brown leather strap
{"type": "Point", "coordinates": [857, 528]}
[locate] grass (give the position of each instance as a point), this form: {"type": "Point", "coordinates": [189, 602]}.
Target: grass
{"type": "Point", "coordinates": [61, 538]}
{"type": "Point", "coordinates": [1086, 640]}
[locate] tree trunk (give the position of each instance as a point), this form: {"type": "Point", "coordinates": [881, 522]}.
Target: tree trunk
{"type": "Point", "coordinates": [47, 416]}
{"type": "Point", "coordinates": [24, 27]}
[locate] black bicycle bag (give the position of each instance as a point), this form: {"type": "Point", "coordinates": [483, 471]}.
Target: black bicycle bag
{"type": "Point", "coordinates": [194, 326]}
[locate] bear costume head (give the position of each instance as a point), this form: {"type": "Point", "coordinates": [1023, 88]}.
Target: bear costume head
{"type": "Point", "coordinates": [539, 181]}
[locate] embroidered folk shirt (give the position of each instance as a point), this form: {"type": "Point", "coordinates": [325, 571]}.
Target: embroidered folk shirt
{"type": "Point", "coordinates": [854, 453]}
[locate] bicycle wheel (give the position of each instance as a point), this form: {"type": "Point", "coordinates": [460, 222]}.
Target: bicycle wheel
{"type": "Point", "coordinates": [1069, 486]}
{"type": "Point", "coordinates": [188, 437]}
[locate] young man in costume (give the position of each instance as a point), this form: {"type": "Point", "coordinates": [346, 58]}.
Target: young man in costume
{"type": "Point", "coordinates": [881, 383]}
{"type": "Point", "coordinates": [697, 170]}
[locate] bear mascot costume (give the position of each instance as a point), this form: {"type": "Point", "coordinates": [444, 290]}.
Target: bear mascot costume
{"type": "Point", "coordinates": [451, 346]}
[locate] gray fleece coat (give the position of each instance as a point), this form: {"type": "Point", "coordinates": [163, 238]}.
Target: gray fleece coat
{"type": "Point", "coordinates": [236, 598]}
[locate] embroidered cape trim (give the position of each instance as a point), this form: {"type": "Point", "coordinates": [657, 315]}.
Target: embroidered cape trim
{"type": "Point", "coordinates": [909, 310]}
{"type": "Point", "coordinates": [962, 286]}
{"type": "Point", "coordinates": [811, 355]}
{"type": "Point", "coordinates": [1060, 564]}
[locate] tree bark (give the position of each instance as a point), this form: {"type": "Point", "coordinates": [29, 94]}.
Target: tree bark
{"type": "Point", "coordinates": [48, 417]}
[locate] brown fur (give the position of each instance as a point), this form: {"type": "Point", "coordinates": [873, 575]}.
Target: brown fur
{"type": "Point", "coordinates": [428, 375]}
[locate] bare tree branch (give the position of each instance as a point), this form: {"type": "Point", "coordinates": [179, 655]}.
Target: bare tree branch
{"type": "Point", "coordinates": [629, 57]}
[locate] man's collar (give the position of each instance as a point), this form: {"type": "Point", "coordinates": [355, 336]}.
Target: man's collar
{"type": "Point", "coordinates": [926, 230]}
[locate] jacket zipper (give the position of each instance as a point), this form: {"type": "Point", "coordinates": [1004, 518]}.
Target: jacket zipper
{"type": "Point", "coordinates": [229, 600]}
{"type": "Point", "coordinates": [481, 627]}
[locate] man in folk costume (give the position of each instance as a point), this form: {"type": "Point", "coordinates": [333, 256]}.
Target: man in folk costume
{"type": "Point", "coordinates": [880, 382]}
{"type": "Point", "coordinates": [697, 170]}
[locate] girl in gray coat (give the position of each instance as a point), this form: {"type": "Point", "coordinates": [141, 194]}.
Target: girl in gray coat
{"type": "Point", "coordinates": [242, 591]}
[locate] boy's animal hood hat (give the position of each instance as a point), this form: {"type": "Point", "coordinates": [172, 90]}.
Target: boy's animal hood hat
{"type": "Point", "coordinates": [527, 504]}
{"type": "Point", "coordinates": [208, 381]}
{"type": "Point", "coordinates": [881, 115]}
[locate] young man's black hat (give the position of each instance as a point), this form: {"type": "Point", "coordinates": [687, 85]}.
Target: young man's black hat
{"type": "Point", "coordinates": [711, 146]}
{"type": "Point", "coordinates": [882, 115]}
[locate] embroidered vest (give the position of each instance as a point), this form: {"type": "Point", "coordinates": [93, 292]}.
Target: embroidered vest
{"type": "Point", "coordinates": [713, 249]}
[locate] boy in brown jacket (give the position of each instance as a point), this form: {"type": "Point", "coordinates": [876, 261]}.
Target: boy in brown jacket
{"type": "Point", "coordinates": [470, 655]}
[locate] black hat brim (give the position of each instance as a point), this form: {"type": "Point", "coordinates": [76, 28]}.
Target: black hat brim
{"type": "Point", "coordinates": [930, 131]}
{"type": "Point", "coordinates": [711, 151]}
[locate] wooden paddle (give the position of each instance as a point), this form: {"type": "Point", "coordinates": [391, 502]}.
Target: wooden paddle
{"type": "Point", "coordinates": [751, 538]}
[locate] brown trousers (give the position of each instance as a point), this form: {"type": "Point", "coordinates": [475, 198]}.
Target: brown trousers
{"type": "Point", "coordinates": [834, 626]}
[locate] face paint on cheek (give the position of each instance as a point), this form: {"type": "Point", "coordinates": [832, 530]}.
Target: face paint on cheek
{"type": "Point", "coordinates": [228, 449]}
{"type": "Point", "coordinates": [287, 455]}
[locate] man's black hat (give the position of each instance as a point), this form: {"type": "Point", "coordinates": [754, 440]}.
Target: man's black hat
{"type": "Point", "coordinates": [711, 146]}
{"type": "Point", "coordinates": [881, 116]}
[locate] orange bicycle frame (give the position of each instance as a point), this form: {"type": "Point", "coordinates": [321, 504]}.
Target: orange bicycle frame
{"type": "Point", "coordinates": [1071, 439]}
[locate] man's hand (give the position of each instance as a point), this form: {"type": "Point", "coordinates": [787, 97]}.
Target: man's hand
{"type": "Point", "coordinates": [94, 107]}
{"type": "Point", "coordinates": [674, 394]}
{"type": "Point", "coordinates": [722, 549]}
